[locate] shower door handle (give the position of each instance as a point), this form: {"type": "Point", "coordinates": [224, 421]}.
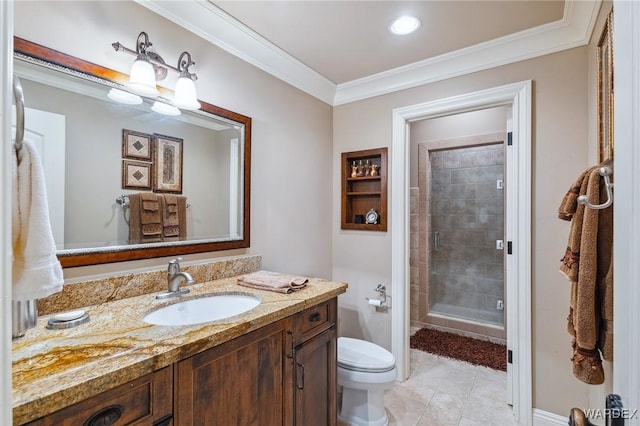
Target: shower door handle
{"type": "Point", "coordinates": [436, 241]}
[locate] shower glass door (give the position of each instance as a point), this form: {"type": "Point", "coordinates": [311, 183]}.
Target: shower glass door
{"type": "Point", "coordinates": [465, 233]}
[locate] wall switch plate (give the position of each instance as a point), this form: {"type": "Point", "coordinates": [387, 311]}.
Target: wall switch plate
{"type": "Point", "coordinates": [499, 184]}
{"type": "Point", "coordinates": [499, 245]}
{"type": "Point", "coordinates": [500, 305]}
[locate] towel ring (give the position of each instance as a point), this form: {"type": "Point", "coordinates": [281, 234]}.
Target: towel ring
{"type": "Point", "coordinates": [18, 95]}
{"type": "Point", "coordinates": [605, 172]}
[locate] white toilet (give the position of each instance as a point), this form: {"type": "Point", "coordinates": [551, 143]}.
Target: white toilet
{"type": "Point", "coordinates": [365, 370]}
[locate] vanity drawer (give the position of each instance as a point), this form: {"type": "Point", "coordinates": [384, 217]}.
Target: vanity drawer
{"type": "Point", "coordinates": [314, 320]}
{"type": "Point", "coordinates": [144, 401]}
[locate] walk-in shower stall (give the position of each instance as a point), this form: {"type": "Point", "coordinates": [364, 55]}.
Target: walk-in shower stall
{"type": "Point", "coordinates": [459, 283]}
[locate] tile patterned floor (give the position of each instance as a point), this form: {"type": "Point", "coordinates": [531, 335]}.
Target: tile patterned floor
{"type": "Point", "coordinates": [445, 392]}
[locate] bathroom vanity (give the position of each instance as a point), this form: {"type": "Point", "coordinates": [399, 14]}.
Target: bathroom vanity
{"type": "Point", "coordinates": [272, 365]}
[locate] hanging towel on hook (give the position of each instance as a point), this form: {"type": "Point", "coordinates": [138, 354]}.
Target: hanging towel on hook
{"type": "Point", "coordinates": [587, 264]}
{"type": "Point", "coordinates": [37, 273]}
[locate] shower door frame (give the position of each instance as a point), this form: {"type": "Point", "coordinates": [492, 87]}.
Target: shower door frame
{"type": "Point", "coordinates": [518, 228]}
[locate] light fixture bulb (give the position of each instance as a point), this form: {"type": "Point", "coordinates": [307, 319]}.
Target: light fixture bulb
{"type": "Point", "coordinates": [185, 94]}
{"type": "Point", "coordinates": [142, 79]}
{"type": "Point", "coordinates": [124, 97]}
{"type": "Point", "coordinates": [165, 109]}
{"type": "Point", "coordinates": [404, 25]}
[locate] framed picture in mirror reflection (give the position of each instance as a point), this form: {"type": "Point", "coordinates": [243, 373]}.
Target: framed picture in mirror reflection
{"type": "Point", "coordinates": [167, 164]}
{"type": "Point", "coordinates": [136, 145]}
{"type": "Point", "coordinates": [136, 175]}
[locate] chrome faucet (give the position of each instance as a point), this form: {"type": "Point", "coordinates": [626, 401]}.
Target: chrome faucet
{"type": "Point", "coordinates": [174, 278]}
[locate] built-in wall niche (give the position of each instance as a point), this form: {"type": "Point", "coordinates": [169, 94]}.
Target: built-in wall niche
{"type": "Point", "coordinates": [364, 190]}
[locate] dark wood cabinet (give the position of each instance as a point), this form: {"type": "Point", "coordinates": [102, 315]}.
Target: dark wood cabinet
{"type": "Point", "coordinates": [364, 187]}
{"type": "Point", "coordinates": [237, 383]}
{"type": "Point", "coordinates": [281, 374]}
{"type": "Point", "coordinates": [147, 400]}
{"type": "Point", "coordinates": [315, 381]}
{"type": "Point", "coordinates": [315, 366]}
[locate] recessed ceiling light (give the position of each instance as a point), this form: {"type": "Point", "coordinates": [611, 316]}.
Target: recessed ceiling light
{"type": "Point", "coordinates": [404, 25]}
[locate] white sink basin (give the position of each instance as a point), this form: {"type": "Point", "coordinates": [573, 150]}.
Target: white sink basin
{"type": "Point", "coordinates": [204, 309]}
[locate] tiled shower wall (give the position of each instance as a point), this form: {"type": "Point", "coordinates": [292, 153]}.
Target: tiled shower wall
{"type": "Point", "coordinates": [466, 208]}
{"type": "Point", "coordinates": [414, 257]}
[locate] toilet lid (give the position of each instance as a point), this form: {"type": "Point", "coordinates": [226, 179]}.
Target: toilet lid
{"type": "Point", "coordinates": [356, 354]}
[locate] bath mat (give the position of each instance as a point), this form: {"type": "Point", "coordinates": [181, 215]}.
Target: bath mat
{"type": "Point", "coordinates": [450, 345]}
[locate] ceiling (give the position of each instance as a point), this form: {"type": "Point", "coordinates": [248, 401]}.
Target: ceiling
{"type": "Point", "coordinates": [341, 51]}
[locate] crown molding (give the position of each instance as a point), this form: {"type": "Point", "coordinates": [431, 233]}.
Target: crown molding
{"type": "Point", "coordinates": [216, 26]}
{"type": "Point", "coordinates": [213, 24]}
{"type": "Point", "coordinates": [573, 30]}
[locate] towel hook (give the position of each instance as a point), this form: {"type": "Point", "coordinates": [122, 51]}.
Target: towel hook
{"type": "Point", "coordinates": [605, 172]}
{"type": "Point", "coordinates": [18, 95]}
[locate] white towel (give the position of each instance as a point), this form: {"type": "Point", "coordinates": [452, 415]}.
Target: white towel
{"type": "Point", "coordinates": [37, 273]}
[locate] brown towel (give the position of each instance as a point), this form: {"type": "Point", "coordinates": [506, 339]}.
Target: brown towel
{"type": "Point", "coordinates": [174, 216]}
{"type": "Point", "coordinates": [569, 204]}
{"type": "Point", "coordinates": [170, 219]}
{"type": "Point", "coordinates": [571, 210]}
{"type": "Point", "coordinates": [588, 265]}
{"type": "Point", "coordinates": [150, 213]}
{"type": "Point", "coordinates": [170, 211]}
{"type": "Point", "coordinates": [182, 216]}
{"type": "Point", "coordinates": [135, 225]}
{"type": "Point", "coordinates": [273, 281]}
{"type": "Point", "coordinates": [145, 222]}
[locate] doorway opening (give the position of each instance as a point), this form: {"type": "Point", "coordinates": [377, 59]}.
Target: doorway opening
{"type": "Point", "coordinates": [517, 276]}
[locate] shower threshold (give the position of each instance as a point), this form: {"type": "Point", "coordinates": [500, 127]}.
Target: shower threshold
{"type": "Point", "coordinates": [493, 319]}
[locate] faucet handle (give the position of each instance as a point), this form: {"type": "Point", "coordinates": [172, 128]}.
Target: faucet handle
{"type": "Point", "coordinates": [174, 265]}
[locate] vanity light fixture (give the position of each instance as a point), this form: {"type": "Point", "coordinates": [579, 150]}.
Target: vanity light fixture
{"type": "Point", "coordinates": [149, 68]}
{"type": "Point", "coordinates": [404, 25]}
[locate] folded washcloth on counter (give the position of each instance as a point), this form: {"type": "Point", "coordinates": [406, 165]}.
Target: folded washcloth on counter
{"type": "Point", "coordinates": [273, 281]}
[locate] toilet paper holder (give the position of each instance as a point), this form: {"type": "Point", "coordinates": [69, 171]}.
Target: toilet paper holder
{"type": "Point", "coordinates": [380, 302]}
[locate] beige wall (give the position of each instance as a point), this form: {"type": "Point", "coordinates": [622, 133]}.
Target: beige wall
{"type": "Point", "coordinates": [560, 152]}
{"type": "Point", "coordinates": [291, 143]}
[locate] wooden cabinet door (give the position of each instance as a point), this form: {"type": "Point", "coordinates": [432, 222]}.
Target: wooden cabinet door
{"type": "Point", "coordinates": [315, 381]}
{"type": "Point", "coordinates": [147, 400]}
{"type": "Point", "coordinates": [240, 382]}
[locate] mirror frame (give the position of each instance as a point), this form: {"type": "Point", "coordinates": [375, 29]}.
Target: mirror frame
{"type": "Point", "coordinates": [93, 256]}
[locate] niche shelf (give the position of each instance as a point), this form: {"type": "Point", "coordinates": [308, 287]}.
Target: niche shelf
{"type": "Point", "coordinates": [360, 194]}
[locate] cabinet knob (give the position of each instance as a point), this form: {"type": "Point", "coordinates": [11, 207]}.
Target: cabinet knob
{"type": "Point", "coordinates": [315, 317]}
{"type": "Point", "coordinates": [105, 417]}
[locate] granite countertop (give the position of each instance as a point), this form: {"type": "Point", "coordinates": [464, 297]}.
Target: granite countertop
{"type": "Point", "coordinates": [52, 369]}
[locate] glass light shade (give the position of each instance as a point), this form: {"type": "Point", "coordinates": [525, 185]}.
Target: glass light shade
{"type": "Point", "coordinates": [124, 97]}
{"type": "Point", "coordinates": [185, 94]}
{"type": "Point", "coordinates": [165, 109]}
{"type": "Point", "coordinates": [142, 79]}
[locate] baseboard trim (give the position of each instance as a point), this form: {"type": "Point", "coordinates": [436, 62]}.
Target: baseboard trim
{"type": "Point", "coordinates": [545, 418]}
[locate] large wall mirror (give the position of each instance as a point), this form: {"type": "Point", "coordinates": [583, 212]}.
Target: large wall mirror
{"type": "Point", "coordinates": [99, 154]}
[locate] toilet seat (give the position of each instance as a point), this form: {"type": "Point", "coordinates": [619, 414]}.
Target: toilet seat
{"type": "Point", "coordinates": [360, 355]}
